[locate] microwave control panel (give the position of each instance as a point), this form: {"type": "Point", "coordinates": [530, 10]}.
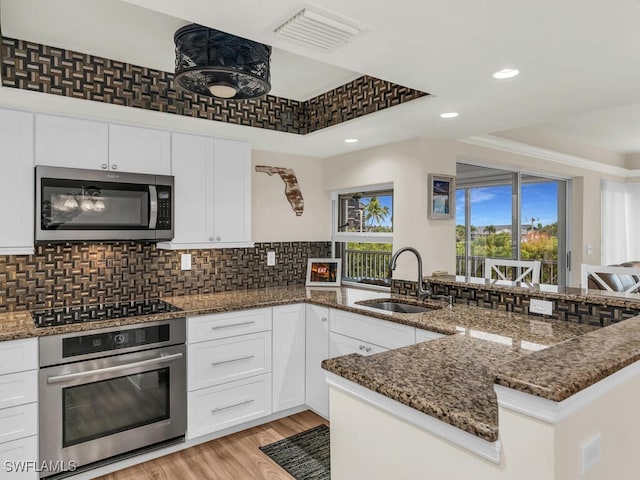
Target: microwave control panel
{"type": "Point", "coordinates": [164, 208]}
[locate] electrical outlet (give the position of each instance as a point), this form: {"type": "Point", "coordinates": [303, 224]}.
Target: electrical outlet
{"type": "Point", "coordinates": [541, 306]}
{"type": "Point", "coordinates": [271, 259]}
{"type": "Point", "coordinates": [590, 454]}
{"type": "Point", "coordinates": [185, 261]}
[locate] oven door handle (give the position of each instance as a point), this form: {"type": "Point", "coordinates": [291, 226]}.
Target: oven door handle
{"type": "Point", "coordinates": [116, 368]}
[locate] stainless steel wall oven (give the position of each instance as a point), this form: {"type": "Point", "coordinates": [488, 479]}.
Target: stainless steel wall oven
{"type": "Point", "coordinates": [111, 391]}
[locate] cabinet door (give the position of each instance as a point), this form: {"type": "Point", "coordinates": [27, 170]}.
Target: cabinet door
{"type": "Point", "coordinates": [288, 356]}
{"type": "Point", "coordinates": [15, 455]}
{"type": "Point", "coordinates": [317, 343]}
{"type": "Point", "coordinates": [427, 335]}
{"type": "Point", "coordinates": [232, 191]}
{"type": "Point", "coordinates": [192, 158]}
{"type": "Point", "coordinates": [139, 150]}
{"type": "Point", "coordinates": [72, 143]}
{"type": "Point", "coordinates": [340, 345]}
{"type": "Point", "coordinates": [16, 182]}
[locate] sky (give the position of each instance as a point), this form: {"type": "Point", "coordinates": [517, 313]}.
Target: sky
{"type": "Point", "coordinates": [492, 205]}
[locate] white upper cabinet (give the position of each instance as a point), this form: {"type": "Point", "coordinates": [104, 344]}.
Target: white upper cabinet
{"type": "Point", "coordinates": [139, 150]}
{"type": "Point", "coordinates": [16, 182]}
{"type": "Point", "coordinates": [75, 143]}
{"type": "Point", "coordinates": [232, 191]}
{"type": "Point", "coordinates": [71, 142]}
{"type": "Point", "coordinates": [212, 192]}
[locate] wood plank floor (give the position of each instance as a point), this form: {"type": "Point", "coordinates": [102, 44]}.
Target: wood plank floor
{"type": "Point", "coordinates": [234, 457]}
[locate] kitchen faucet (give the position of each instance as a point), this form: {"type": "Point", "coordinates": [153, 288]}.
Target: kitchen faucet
{"type": "Point", "coordinates": [423, 292]}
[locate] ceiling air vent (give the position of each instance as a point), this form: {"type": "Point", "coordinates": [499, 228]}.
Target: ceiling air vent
{"type": "Point", "coordinates": [317, 30]}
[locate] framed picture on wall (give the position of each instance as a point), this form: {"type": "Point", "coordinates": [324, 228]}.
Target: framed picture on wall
{"type": "Point", "coordinates": [324, 272]}
{"type": "Point", "coordinates": [442, 196]}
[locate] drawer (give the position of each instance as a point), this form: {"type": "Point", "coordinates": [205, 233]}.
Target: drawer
{"type": "Point", "coordinates": [18, 355]}
{"type": "Point", "coordinates": [12, 453]}
{"type": "Point", "coordinates": [18, 422]}
{"type": "Point", "coordinates": [228, 359]}
{"type": "Point", "coordinates": [216, 408]}
{"type": "Point", "coordinates": [224, 325]}
{"type": "Point", "coordinates": [340, 345]}
{"type": "Point", "coordinates": [426, 335]}
{"type": "Point", "coordinates": [379, 332]}
{"type": "Point", "coordinates": [18, 388]}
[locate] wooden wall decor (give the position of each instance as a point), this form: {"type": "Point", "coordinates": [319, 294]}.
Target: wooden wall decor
{"type": "Point", "coordinates": [291, 187]}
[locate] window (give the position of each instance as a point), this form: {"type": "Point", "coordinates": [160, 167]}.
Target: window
{"type": "Point", "coordinates": [512, 215]}
{"type": "Point", "coordinates": [363, 234]}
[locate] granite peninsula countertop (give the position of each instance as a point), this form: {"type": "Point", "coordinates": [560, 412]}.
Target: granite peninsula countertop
{"type": "Point", "coordinates": [450, 378]}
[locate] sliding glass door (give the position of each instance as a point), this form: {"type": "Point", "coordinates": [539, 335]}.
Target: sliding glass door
{"type": "Point", "coordinates": [512, 215]}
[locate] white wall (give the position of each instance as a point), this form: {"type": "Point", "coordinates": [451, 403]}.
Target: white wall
{"type": "Point", "coordinates": [273, 219]}
{"type": "Point", "coordinates": [407, 165]}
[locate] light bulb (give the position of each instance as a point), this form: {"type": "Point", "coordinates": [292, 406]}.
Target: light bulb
{"type": "Point", "coordinates": [70, 204]}
{"type": "Point", "coordinates": [99, 206]}
{"type": "Point", "coordinates": [86, 205]}
{"type": "Point", "coordinates": [222, 90]}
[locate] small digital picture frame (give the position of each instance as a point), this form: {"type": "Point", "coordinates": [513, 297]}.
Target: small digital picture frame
{"type": "Point", "coordinates": [324, 272]}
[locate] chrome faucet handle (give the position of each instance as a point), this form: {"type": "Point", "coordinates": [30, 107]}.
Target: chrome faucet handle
{"type": "Point", "coordinates": [448, 298]}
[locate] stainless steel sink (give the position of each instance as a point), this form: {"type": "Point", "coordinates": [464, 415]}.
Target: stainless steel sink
{"type": "Point", "coordinates": [399, 307]}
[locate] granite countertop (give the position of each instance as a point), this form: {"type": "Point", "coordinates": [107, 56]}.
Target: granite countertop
{"type": "Point", "coordinates": [450, 378]}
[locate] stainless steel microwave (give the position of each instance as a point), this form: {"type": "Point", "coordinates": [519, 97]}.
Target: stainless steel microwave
{"type": "Point", "coordinates": [92, 205]}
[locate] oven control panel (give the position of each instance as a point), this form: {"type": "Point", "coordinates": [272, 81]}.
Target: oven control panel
{"type": "Point", "coordinates": [114, 340]}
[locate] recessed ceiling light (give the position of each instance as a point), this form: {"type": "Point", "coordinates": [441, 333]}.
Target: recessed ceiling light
{"type": "Point", "coordinates": [449, 115]}
{"type": "Point", "coordinates": [350, 140]}
{"type": "Point", "coordinates": [506, 73]}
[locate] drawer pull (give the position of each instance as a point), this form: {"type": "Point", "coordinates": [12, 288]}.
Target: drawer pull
{"type": "Point", "coordinates": [361, 347]}
{"type": "Point", "coordinates": [244, 402]}
{"type": "Point", "coordinates": [217, 327]}
{"type": "Point", "coordinates": [221, 362]}
{"type": "Point", "coordinates": [367, 349]}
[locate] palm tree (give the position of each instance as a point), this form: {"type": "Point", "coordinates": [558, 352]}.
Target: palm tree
{"type": "Point", "coordinates": [375, 213]}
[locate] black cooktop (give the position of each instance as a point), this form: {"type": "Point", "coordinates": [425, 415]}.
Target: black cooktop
{"type": "Point", "coordinates": [103, 311]}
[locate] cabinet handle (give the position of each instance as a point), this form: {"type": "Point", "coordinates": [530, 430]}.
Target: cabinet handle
{"type": "Point", "coordinates": [367, 349]}
{"type": "Point", "coordinates": [324, 319]}
{"type": "Point", "coordinates": [104, 166]}
{"type": "Point", "coordinates": [211, 239]}
{"type": "Point", "coordinates": [361, 347]}
{"type": "Point", "coordinates": [244, 402]}
{"type": "Point", "coordinates": [114, 167]}
{"type": "Point", "coordinates": [232, 325]}
{"type": "Point", "coordinates": [217, 239]}
{"type": "Point", "coordinates": [221, 362]}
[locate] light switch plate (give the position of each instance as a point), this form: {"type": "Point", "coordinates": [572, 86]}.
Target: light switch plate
{"type": "Point", "coordinates": [541, 306]}
{"type": "Point", "coordinates": [185, 261]}
{"type": "Point", "coordinates": [271, 259]}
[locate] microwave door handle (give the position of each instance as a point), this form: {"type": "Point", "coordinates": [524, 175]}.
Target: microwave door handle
{"type": "Point", "coordinates": [153, 207]}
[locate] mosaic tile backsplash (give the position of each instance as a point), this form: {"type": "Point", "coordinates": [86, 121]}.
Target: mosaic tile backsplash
{"type": "Point", "coordinates": [566, 309]}
{"type": "Point", "coordinates": [73, 274]}
{"type": "Point", "coordinates": [56, 71]}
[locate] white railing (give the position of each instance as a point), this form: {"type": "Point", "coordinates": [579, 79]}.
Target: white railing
{"type": "Point", "coordinates": [359, 264]}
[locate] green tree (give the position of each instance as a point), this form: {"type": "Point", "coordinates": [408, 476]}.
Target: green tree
{"type": "Point", "coordinates": [374, 213]}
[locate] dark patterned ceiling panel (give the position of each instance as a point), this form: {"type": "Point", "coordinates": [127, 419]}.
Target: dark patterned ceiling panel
{"type": "Point", "coordinates": [40, 68]}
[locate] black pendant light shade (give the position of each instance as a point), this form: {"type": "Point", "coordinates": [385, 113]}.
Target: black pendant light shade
{"type": "Point", "coordinates": [216, 64]}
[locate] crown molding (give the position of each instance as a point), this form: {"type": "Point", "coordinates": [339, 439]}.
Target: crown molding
{"type": "Point", "coordinates": [519, 148]}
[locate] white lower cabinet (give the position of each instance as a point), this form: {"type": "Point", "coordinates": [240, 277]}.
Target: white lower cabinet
{"type": "Point", "coordinates": [228, 359]}
{"type": "Point", "coordinates": [427, 335]}
{"type": "Point", "coordinates": [288, 356]}
{"type": "Point", "coordinates": [340, 345]}
{"type": "Point", "coordinates": [216, 408]}
{"type": "Point", "coordinates": [18, 457]}
{"type": "Point", "coordinates": [373, 330]}
{"type": "Point", "coordinates": [317, 343]}
{"type": "Point", "coordinates": [228, 370]}
{"type": "Point", "coordinates": [19, 409]}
